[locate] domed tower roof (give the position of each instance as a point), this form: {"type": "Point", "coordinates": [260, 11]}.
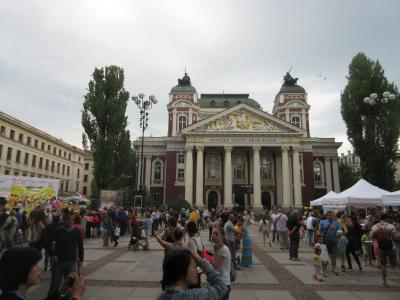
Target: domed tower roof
{"type": "Point", "coordinates": [184, 85]}
{"type": "Point", "coordinates": [290, 86]}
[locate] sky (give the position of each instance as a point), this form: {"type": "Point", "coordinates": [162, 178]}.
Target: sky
{"type": "Point", "coordinates": [49, 49]}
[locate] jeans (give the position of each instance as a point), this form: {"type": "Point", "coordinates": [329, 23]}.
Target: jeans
{"type": "Point", "coordinates": [232, 249]}
{"type": "Point", "coordinates": [310, 234]}
{"type": "Point", "coordinates": [275, 235]}
{"type": "Point", "coordinates": [294, 245]}
{"type": "Point", "coordinates": [59, 271]}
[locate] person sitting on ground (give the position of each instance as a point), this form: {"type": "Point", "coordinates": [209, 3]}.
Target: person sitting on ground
{"type": "Point", "coordinates": [179, 271]}
{"type": "Point", "coordinates": [20, 270]}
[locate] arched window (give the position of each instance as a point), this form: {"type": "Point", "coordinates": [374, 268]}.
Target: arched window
{"type": "Point", "coordinates": [157, 171]}
{"type": "Point", "coordinates": [318, 171]}
{"type": "Point", "coordinates": [266, 169]}
{"type": "Point", "coordinates": [213, 168]}
{"type": "Point", "coordinates": [295, 120]}
{"type": "Point", "coordinates": [181, 122]}
{"type": "Point", "coordinates": [238, 168]}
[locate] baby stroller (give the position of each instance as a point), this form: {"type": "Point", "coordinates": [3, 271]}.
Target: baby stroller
{"type": "Point", "coordinates": [138, 238]}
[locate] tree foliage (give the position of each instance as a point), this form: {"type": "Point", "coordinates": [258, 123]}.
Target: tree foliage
{"type": "Point", "coordinates": [373, 130]}
{"type": "Point", "coordinates": [348, 176]}
{"type": "Point", "coordinates": [104, 122]}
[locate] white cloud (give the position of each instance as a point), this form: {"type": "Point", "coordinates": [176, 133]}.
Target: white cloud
{"type": "Point", "coordinates": [49, 50]}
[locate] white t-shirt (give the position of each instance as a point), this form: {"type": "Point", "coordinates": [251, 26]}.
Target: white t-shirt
{"type": "Point", "coordinates": [310, 220]}
{"type": "Point", "coordinates": [225, 267]}
{"type": "Point", "coordinates": [195, 244]}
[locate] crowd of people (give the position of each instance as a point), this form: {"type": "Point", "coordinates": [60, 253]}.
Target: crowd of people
{"type": "Point", "coordinates": [59, 235]}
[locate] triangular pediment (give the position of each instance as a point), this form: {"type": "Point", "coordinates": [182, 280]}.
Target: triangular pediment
{"type": "Point", "coordinates": [242, 118]}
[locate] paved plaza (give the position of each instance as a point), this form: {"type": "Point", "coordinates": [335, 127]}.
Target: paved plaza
{"type": "Point", "coordinates": [119, 274]}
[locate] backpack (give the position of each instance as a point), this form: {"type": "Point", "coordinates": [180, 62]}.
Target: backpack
{"type": "Point", "coordinates": [384, 238]}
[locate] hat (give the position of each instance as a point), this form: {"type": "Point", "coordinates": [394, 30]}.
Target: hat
{"type": "Point", "coordinates": [317, 246]}
{"type": "Point", "coordinates": [339, 231]}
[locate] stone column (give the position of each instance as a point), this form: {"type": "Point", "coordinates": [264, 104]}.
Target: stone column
{"type": "Point", "coordinates": [190, 120]}
{"type": "Point", "coordinates": [328, 177]}
{"type": "Point", "coordinates": [304, 120]}
{"type": "Point", "coordinates": [199, 177]}
{"type": "Point", "coordinates": [174, 122]}
{"type": "Point", "coordinates": [189, 175]}
{"type": "Point", "coordinates": [147, 177]}
{"type": "Point", "coordinates": [285, 178]}
{"type": "Point", "coordinates": [335, 167]}
{"type": "Point", "coordinates": [228, 177]}
{"type": "Point", "coordinates": [256, 177]}
{"type": "Point", "coordinates": [298, 203]}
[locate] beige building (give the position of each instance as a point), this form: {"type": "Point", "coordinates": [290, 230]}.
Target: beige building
{"type": "Point", "coordinates": [28, 151]}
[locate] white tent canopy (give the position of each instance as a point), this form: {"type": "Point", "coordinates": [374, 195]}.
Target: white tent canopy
{"type": "Point", "coordinates": [318, 202]}
{"type": "Point", "coordinates": [391, 199]}
{"type": "Point", "coordinates": [361, 194]}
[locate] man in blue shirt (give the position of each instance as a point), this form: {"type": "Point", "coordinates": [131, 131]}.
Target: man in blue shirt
{"type": "Point", "coordinates": [328, 229]}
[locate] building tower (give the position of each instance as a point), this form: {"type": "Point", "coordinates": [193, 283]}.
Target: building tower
{"type": "Point", "coordinates": [291, 104]}
{"type": "Point", "coordinates": [183, 107]}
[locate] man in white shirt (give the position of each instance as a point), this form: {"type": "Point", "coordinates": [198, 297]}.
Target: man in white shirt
{"type": "Point", "coordinates": [384, 233]}
{"type": "Point", "coordinates": [280, 221]}
{"type": "Point", "coordinates": [273, 228]}
{"type": "Point", "coordinates": [310, 224]}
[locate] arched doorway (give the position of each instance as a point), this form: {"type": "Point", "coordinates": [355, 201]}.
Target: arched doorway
{"type": "Point", "coordinates": [266, 200]}
{"type": "Point", "coordinates": [239, 200]}
{"type": "Point", "coordinates": [212, 200]}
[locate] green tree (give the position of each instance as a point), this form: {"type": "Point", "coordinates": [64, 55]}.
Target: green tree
{"type": "Point", "coordinates": [348, 176]}
{"type": "Point", "coordinates": [104, 122]}
{"type": "Point", "coordinates": [373, 130]}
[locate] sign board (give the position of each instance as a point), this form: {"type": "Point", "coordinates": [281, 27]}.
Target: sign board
{"type": "Point", "coordinates": [27, 189]}
{"type": "Point", "coordinates": [243, 188]}
{"type": "Point", "coordinates": [109, 198]}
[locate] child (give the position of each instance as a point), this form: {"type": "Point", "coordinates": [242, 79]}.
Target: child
{"type": "Point", "coordinates": [317, 263]}
{"type": "Point", "coordinates": [324, 255]}
{"type": "Point", "coordinates": [115, 236]}
{"type": "Point", "coordinates": [341, 248]}
{"type": "Point", "coordinates": [366, 244]}
{"type": "Point", "coordinates": [265, 229]}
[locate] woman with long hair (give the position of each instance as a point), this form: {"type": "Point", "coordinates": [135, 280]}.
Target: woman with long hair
{"type": "Point", "coordinates": [247, 253]}
{"type": "Point", "coordinates": [222, 257]}
{"type": "Point", "coordinates": [20, 270]}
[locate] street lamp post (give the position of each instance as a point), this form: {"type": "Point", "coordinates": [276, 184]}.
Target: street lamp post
{"type": "Point", "coordinates": [381, 105]}
{"type": "Point", "coordinates": [144, 106]}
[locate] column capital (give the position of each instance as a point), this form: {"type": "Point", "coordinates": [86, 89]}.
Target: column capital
{"type": "Point", "coordinates": [285, 148]}
{"type": "Point", "coordinates": [189, 148]}
{"type": "Point", "coordinates": [256, 148]}
{"type": "Point", "coordinates": [296, 148]}
{"type": "Point", "coordinates": [228, 148]}
{"type": "Point", "coordinates": [200, 148]}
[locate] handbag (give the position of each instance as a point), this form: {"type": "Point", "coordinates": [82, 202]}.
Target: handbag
{"type": "Point", "coordinates": [208, 256]}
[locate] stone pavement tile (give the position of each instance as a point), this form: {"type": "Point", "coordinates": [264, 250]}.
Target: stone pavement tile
{"type": "Point", "coordinates": [256, 274]}
{"type": "Point", "coordinates": [283, 258]}
{"type": "Point", "coordinates": [378, 296]}
{"type": "Point", "coordinates": [144, 294]}
{"type": "Point", "coordinates": [91, 254]}
{"type": "Point", "coordinates": [260, 295]}
{"type": "Point", "coordinates": [111, 271]}
{"type": "Point", "coordinates": [335, 295]}
{"type": "Point", "coordinates": [108, 292]}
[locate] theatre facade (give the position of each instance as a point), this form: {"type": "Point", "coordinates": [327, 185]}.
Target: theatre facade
{"type": "Point", "coordinates": [225, 150]}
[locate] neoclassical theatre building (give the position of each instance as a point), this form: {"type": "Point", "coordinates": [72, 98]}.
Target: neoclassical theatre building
{"type": "Point", "coordinates": [225, 150]}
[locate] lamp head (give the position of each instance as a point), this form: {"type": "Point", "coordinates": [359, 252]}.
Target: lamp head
{"type": "Point", "coordinates": [141, 96]}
